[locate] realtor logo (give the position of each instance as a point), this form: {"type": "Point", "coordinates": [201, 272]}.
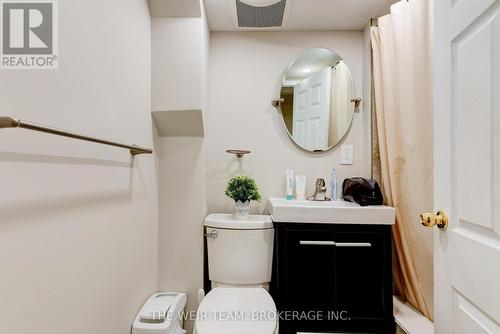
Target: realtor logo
{"type": "Point", "coordinates": [29, 39]}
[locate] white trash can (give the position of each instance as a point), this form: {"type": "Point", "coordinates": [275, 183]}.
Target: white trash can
{"type": "Point", "coordinates": [162, 313]}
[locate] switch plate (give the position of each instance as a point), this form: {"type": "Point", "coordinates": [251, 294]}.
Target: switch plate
{"type": "Point", "coordinates": [346, 154]}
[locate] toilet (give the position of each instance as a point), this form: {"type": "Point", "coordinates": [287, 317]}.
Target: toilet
{"type": "Point", "coordinates": [240, 255]}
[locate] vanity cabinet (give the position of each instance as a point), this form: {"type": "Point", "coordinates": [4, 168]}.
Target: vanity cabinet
{"type": "Point", "coordinates": [333, 278]}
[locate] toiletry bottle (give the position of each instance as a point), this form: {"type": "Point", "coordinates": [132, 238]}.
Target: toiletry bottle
{"type": "Point", "coordinates": [300, 187]}
{"type": "Point", "coordinates": [289, 185]}
{"type": "Point", "coordinates": [334, 184]}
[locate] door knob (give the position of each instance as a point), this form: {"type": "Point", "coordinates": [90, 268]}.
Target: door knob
{"type": "Point", "coordinates": [440, 219]}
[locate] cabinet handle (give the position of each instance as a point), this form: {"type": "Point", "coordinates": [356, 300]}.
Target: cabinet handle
{"type": "Point", "coordinates": [353, 244]}
{"type": "Point", "coordinates": [317, 243]}
{"type": "Point", "coordinates": [336, 244]}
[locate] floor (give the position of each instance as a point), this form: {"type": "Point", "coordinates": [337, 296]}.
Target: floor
{"type": "Point", "coordinates": [399, 330]}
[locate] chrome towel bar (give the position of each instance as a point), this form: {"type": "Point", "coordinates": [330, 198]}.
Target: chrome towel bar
{"type": "Point", "coordinates": [11, 122]}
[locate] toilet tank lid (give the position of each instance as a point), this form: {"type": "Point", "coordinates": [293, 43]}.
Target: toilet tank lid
{"type": "Point", "coordinates": [228, 221]}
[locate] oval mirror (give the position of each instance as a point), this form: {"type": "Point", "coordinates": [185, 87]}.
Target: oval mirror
{"type": "Point", "coordinates": [316, 100]}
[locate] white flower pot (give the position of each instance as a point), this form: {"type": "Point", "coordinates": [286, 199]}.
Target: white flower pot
{"type": "Point", "coordinates": [242, 210]}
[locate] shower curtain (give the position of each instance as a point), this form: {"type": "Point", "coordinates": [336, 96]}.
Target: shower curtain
{"type": "Point", "coordinates": [341, 107]}
{"type": "Point", "coordinates": [403, 100]}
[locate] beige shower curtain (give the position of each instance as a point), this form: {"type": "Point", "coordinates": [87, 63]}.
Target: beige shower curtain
{"type": "Point", "coordinates": [341, 107]}
{"type": "Point", "coordinates": [403, 100]}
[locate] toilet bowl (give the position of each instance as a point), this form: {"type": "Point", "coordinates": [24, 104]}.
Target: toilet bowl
{"type": "Point", "coordinates": [237, 310]}
{"type": "Point", "coordinates": [240, 255]}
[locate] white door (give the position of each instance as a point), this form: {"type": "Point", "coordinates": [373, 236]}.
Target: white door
{"type": "Point", "coordinates": [311, 110]}
{"type": "Point", "coordinates": [467, 165]}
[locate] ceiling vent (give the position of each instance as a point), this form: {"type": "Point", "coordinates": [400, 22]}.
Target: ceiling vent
{"type": "Point", "coordinates": [261, 13]}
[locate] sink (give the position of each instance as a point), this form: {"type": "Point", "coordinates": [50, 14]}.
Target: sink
{"type": "Point", "coordinates": [329, 212]}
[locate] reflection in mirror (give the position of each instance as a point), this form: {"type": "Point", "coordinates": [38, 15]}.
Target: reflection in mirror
{"type": "Point", "coordinates": [317, 90]}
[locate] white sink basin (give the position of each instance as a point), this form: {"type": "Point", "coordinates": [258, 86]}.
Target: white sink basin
{"type": "Point", "coordinates": [329, 212]}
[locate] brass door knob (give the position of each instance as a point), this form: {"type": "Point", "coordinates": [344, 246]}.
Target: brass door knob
{"type": "Point", "coordinates": [440, 219]}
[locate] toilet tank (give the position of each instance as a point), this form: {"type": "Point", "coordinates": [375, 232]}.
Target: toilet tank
{"type": "Point", "coordinates": [239, 252]}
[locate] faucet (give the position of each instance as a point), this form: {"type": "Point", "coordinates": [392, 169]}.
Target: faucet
{"type": "Point", "coordinates": [320, 192]}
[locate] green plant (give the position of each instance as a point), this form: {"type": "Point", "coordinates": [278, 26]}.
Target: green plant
{"type": "Point", "coordinates": [242, 188]}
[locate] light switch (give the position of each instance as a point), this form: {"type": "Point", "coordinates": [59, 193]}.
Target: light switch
{"type": "Point", "coordinates": [346, 154]}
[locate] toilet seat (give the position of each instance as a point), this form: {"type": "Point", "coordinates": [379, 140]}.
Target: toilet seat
{"type": "Point", "coordinates": [237, 310]}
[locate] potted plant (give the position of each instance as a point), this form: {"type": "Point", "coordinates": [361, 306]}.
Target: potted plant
{"type": "Point", "coordinates": [242, 189]}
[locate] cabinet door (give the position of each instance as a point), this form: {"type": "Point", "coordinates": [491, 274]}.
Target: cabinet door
{"type": "Point", "coordinates": [361, 269]}
{"type": "Point", "coordinates": [344, 269]}
{"type": "Point", "coordinates": [306, 271]}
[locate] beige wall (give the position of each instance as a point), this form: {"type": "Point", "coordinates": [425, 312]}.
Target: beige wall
{"type": "Point", "coordinates": [176, 56]}
{"type": "Point", "coordinates": [245, 73]}
{"type": "Point", "coordinates": [79, 221]}
{"type": "Point", "coordinates": [182, 158]}
{"type": "Point", "coordinates": [182, 209]}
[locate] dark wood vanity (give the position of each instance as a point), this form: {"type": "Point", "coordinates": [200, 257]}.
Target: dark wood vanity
{"type": "Point", "coordinates": [333, 278]}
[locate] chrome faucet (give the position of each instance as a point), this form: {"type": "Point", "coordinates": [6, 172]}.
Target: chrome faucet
{"type": "Point", "coordinates": [320, 192]}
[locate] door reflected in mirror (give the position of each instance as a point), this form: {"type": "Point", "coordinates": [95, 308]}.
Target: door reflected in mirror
{"type": "Point", "coordinates": [317, 92]}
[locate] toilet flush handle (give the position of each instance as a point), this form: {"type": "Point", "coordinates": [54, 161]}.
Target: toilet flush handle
{"type": "Point", "coordinates": [212, 234]}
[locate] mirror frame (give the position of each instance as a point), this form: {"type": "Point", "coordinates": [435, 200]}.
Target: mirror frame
{"type": "Point", "coordinates": [278, 105]}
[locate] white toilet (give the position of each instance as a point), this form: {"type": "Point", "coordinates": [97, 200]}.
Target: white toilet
{"type": "Point", "coordinates": [240, 255]}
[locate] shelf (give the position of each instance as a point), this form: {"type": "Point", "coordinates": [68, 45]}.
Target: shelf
{"type": "Point", "coordinates": [179, 123]}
